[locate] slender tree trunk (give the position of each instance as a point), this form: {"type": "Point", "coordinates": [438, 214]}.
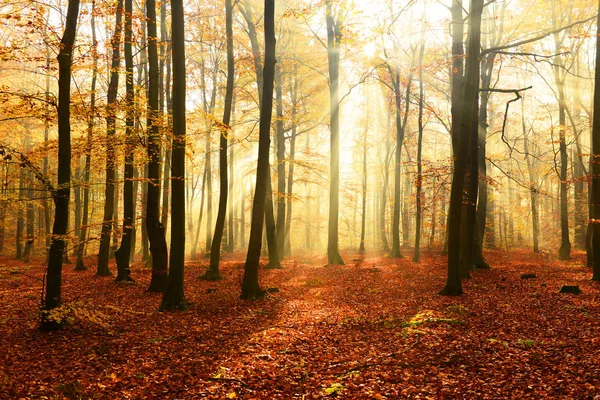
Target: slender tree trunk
{"type": "Point", "coordinates": [270, 229]}
{"type": "Point", "coordinates": [468, 130]}
{"type": "Point", "coordinates": [215, 252]}
{"type": "Point", "coordinates": [334, 37]}
{"type": "Point", "coordinates": [250, 285]}
{"type": "Point", "coordinates": [3, 206]}
{"type": "Point", "coordinates": [111, 109]}
{"type": "Point", "coordinates": [123, 253]}
{"type": "Point", "coordinates": [46, 203]}
{"type": "Point", "coordinates": [400, 129]}
{"type": "Point", "coordinates": [292, 158]}
{"type": "Point", "coordinates": [384, 190]}
{"type": "Point", "coordinates": [533, 190]}
{"type": "Point", "coordinates": [231, 219]}
{"type": "Point", "coordinates": [564, 252]}
{"type": "Point", "coordinates": [174, 297]}
{"type": "Point", "coordinates": [61, 194]}
{"type": "Point", "coordinates": [419, 183]}
{"type": "Point", "coordinates": [308, 190]}
{"type": "Point", "coordinates": [595, 167]}
{"type": "Point", "coordinates": [363, 221]}
{"type": "Point", "coordinates": [77, 194]}
{"type": "Point", "coordinates": [142, 80]}
{"type": "Point", "coordinates": [156, 231]}
{"type": "Point", "coordinates": [280, 142]}
{"type": "Point", "coordinates": [243, 215]}
{"type": "Point", "coordinates": [194, 255]}
{"type": "Point", "coordinates": [209, 194]}
{"type": "Point", "coordinates": [135, 200]}
{"type": "Point", "coordinates": [20, 219]}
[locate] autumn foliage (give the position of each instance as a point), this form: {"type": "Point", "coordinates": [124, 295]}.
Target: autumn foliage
{"type": "Point", "coordinates": [374, 328]}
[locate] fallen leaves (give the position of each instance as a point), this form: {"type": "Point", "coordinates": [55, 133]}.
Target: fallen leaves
{"type": "Point", "coordinates": [329, 332]}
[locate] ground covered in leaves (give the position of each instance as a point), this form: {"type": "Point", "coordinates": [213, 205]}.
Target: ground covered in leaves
{"type": "Point", "coordinates": [374, 328]}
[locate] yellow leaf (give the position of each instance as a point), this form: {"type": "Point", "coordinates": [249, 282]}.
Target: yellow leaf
{"type": "Point", "coordinates": [232, 395]}
{"type": "Point", "coordinates": [113, 376]}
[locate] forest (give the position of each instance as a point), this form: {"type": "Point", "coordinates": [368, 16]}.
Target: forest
{"type": "Point", "coordinates": [301, 199]}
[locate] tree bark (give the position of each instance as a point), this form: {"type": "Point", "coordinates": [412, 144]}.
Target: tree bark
{"type": "Point", "coordinates": [250, 285]}
{"type": "Point", "coordinates": [111, 119]}
{"type": "Point", "coordinates": [595, 167]}
{"type": "Point", "coordinates": [215, 252]}
{"type": "Point", "coordinates": [468, 131]}
{"type": "Point", "coordinates": [564, 252]}
{"type": "Point", "coordinates": [173, 297]}
{"type": "Point", "coordinates": [419, 183]}
{"type": "Point", "coordinates": [156, 231]}
{"type": "Point", "coordinates": [334, 37]}
{"type": "Point", "coordinates": [62, 193]}
{"type": "Point", "coordinates": [280, 142]}
{"type": "Point", "coordinates": [122, 254]}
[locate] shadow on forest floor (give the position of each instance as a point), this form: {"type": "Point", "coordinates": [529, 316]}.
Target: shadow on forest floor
{"type": "Point", "coordinates": [374, 328]}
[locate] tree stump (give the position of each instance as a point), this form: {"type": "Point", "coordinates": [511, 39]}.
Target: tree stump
{"type": "Point", "coordinates": [573, 289]}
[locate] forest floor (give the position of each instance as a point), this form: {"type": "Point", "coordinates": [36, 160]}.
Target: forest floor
{"type": "Point", "coordinates": [374, 328]}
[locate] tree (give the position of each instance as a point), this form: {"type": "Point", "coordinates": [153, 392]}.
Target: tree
{"type": "Point", "coordinates": [225, 128]}
{"type": "Point", "coordinates": [173, 297]}
{"type": "Point", "coordinates": [111, 120]}
{"type": "Point", "coordinates": [468, 124]}
{"type": "Point", "coordinates": [564, 252]}
{"type": "Point", "coordinates": [122, 254]}
{"type": "Point", "coordinates": [62, 193]}
{"type": "Point", "coordinates": [334, 39]}
{"type": "Point", "coordinates": [250, 285]}
{"type": "Point", "coordinates": [419, 182]}
{"type": "Point", "coordinates": [79, 265]}
{"type": "Point", "coordinates": [156, 231]}
{"type": "Point", "coordinates": [595, 165]}
{"type": "Point", "coordinates": [271, 233]}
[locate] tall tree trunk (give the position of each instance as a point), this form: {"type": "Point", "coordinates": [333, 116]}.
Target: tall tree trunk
{"type": "Point", "coordinates": [111, 110]}
{"type": "Point", "coordinates": [595, 164]}
{"type": "Point", "coordinates": [156, 231]}
{"type": "Point", "coordinates": [533, 190]}
{"type": "Point", "coordinates": [250, 285]}
{"type": "Point", "coordinates": [468, 131]}
{"type": "Point", "coordinates": [20, 217]}
{"type": "Point", "coordinates": [174, 297]}
{"type": "Point", "coordinates": [292, 158]}
{"type": "Point", "coordinates": [243, 215]}
{"type": "Point", "coordinates": [135, 200]}
{"type": "Point", "coordinates": [3, 206]}
{"type": "Point", "coordinates": [308, 191]}
{"type": "Point", "coordinates": [142, 81]}
{"type": "Point", "coordinates": [123, 253]}
{"type": "Point", "coordinates": [194, 251]}
{"type": "Point", "coordinates": [209, 193]}
{"type": "Point", "coordinates": [384, 190]}
{"type": "Point", "coordinates": [270, 230]}
{"type": "Point", "coordinates": [400, 129]}
{"type": "Point", "coordinates": [61, 194]}
{"type": "Point", "coordinates": [363, 221]}
{"type": "Point", "coordinates": [232, 211]}
{"type": "Point", "coordinates": [564, 252]}
{"type": "Point", "coordinates": [46, 203]}
{"type": "Point", "coordinates": [77, 194]}
{"type": "Point", "coordinates": [419, 183]}
{"type": "Point", "coordinates": [280, 142]}
{"type": "Point", "coordinates": [334, 38]}
{"type": "Point", "coordinates": [215, 252]}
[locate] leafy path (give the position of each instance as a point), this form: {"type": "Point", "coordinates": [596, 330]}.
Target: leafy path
{"type": "Point", "coordinates": [371, 329]}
